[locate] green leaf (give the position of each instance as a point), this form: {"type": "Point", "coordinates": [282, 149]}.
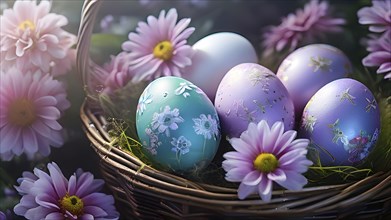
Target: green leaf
{"type": "Point", "coordinates": [104, 45]}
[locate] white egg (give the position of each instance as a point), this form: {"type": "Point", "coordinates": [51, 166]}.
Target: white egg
{"type": "Point", "coordinates": [214, 56]}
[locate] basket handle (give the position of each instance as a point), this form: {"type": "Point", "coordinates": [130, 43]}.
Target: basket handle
{"type": "Point", "coordinates": [88, 15]}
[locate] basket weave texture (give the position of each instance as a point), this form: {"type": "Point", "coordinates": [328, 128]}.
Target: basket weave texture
{"type": "Point", "coordinates": [142, 192]}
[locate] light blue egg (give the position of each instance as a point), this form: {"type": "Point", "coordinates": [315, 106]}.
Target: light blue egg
{"type": "Point", "coordinates": [177, 125]}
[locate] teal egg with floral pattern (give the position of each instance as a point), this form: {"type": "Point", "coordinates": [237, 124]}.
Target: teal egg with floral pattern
{"type": "Point", "coordinates": [177, 125]}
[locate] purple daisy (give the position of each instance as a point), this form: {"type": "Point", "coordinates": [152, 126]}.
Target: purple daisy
{"type": "Point", "coordinates": [265, 155]}
{"type": "Point", "coordinates": [52, 196]}
{"type": "Point", "coordinates": [32, 38]}
{"type": "Point", "coordinates": [159, 47]}
{"type": "Point", "coordinates": [312, 21]}
{"type": "Point", "coordinates": [30, 105]}
{"type": "Point", "coordinates": [380, 54]}
{"type": "Point", "coordinates": [378, 17]}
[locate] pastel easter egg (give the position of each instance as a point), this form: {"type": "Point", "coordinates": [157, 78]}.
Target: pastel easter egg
{"type": "Point", "coordinates": [307, 69]}
{"type": "Point", "coordinates": [214, 55]}
{"type": "Point", "coordinates": [177, 125]}
{"type": "Point", "coordinates": [342, 120]}
{"type": "Point", "coordinates": [249, 93]}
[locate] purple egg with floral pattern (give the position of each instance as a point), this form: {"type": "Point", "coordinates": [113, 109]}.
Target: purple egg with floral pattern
{"type": "Point", "coordinates": [248, 93]}
{"type": "Point", "coordinates": [307, 69]}
{"type": "Point", "coordinates": [342, 120]}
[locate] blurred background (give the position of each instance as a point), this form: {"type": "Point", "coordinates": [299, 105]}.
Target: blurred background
{"type": "Point", "coordinates": [249, 18]}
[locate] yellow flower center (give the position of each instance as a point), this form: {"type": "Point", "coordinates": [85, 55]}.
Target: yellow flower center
{"type": "Point", "coordinates": [163, 50]}
{"type": "Point", "coordinates": [72, 204]}
{"type": "Point", "coordinates": [265, 163]}
{"type": "Point", "coordinates": [22, 112]}
{"type": "Point", "coordinates": [26, 24]}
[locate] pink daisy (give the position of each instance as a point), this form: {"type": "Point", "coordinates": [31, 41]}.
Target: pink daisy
{"type": "Point", "coordinates": [265, 155]}
{"type": "Point", "coordinates": [159, 47]}
{"type": "Point", "coordinates": [49, 195]}
{"type": "Point", "coordinates": [32, 38]}
{"type": "Point", "coordinates": [118, 74]}
{"type": "Point", "coordinates": [30, 105]}
{"type": "Point", "coordinates": [378, 16]}
{"type": "Point", "coordinates": [379, 49]}
{"type": "Point", "coordinates": [312, 21]}
{"type": "Point", "coordinates": [112, 76]}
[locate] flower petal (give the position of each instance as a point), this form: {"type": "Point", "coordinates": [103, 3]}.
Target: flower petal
{"type": "Point", "coordinates": [292, 156]}
{"type": "Point", "coordinates": [47, 201]}
{"type": "Point", "coordinates": [243, 148]}
{"type": "Point", "coordinates": [232, 163]}
{"type": "Point", "coordinates": [55, 215]}
{"type": "Point", "coordinates": [265, 189]}
{"type": "Point", "coordinates": [300, 166]}
{"type": "Point", "coordinates": [236, 174]}
{"type": "Point", "coordinates": [235, 155]}
{"type": "Point", "coordinates": [278, 174]}
{"type": "Point", "coordinates": [49, 112]}
{"type": "Point", "coordinates": [253, 178]}
{"type": "Point", "coordinates": [30, 142]}
{"type": "Point", "coordinates": [294, 181]}
{"type": "Point", "coordinates": [264, 131]}
{"type": "Point", "coordinates": [275, 134]}
{"type": "Point", "coordinates": [38, 212]}
{"type": "Point", "coordinates": [86, 216]}
{"type": "Point", "coordinates": [95, 211]}
{"type": "Point", "coordinates": [385, 67]}
{"type": "Point", "coordinates": [251, 138]}
{"type": "Point", "coordinates": [244, 191]}
{"type": "Point", "coordinates": [98, 199]}
{"type": "Point", "coordinates": [59, 181]}
{"type": "Point", "coordinates": [284, 141]}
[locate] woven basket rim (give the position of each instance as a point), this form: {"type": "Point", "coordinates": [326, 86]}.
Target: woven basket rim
{"type": "Point", "coordinates": [132, 176]}
{"type": "Point", "coordinates": [319, 199]}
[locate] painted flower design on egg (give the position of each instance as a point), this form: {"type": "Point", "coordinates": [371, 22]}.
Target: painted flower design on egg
{"type": "Point", "coordinates": [181, 145]}
{"type": "Point", "coordinates": [256, 77]}
{"type": "Point", "coordinates": [154, 142]}
{"type": "Point", "coordinates": [338, 134]}
{"type": "Point", "coordinates": [309, 122]}
{"type": "Point", "coordinates": [243, 112]}
{"type": "Point", "coordinates": [320, 63]}
{"type": "Point", "coordinates": [358, 147]}
{"type": "Point", "coordinates": [146, 98]}
{"type": "Point", "coordinates": [166, 120]}
{"type": "Point", "coordinates": [371, 105]}
{"type": "Point", "coordinates": [207, 126]}
{"type": "Point", "coordinates": [184, 86]}
{"type": "Point", "coordinates": [345, 95]}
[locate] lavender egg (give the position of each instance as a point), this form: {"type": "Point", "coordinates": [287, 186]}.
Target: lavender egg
{"type": "Point", "coordinates": [307, 69]}
{"type": "Point", "coordinates": [249, 93]}
{"type": "Point", "coordinates": [342, 120]}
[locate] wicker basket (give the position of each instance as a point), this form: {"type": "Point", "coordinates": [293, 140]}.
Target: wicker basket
{"type": "Point", "coordinates": [142, 192]}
